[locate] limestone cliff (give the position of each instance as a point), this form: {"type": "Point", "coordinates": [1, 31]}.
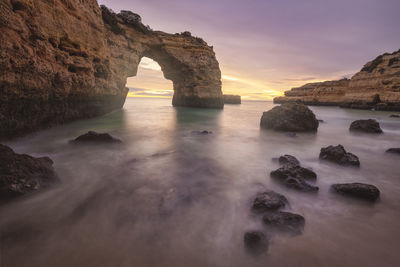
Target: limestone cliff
{"type": "Point", "coordinates": [62, 60]}
{"type": "Point", "coordinates": [377, 86]}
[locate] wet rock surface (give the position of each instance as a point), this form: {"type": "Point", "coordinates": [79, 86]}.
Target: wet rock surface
{"type": "Point", "coordinates": [21, 174]}
{"type": "Point", "coordinates": [285, 221]}
{"type": "Point", "coordinates": [339, 155]}
{"type": "Point", "coordinates": [256, 242]}
{"type": "Point", "coordinates": [268, 201]}
{"type": "Point", "coordinates": [394, 150]}
{"type": "Point", "coordinates": [94, 137]}
{"type": "Point", "coordinates": [358, 190]}
{"type": "Point", "coordinates": [292, 175]}
{"type": "Point", "coordinates": [366, 126]}
{"type": "Point", "coordinates": [290, 117]}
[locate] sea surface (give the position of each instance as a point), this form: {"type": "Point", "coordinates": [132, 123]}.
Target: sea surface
{"type": "Point", "coordinates": [171, 197]}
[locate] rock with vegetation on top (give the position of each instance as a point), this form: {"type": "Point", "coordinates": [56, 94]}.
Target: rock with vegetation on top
{"type": "Point", "coordinates": [94, 137]}
{"type": "Point", "coordinates": [255, 242]}
{"type": "Point", "coordinates": [339, 155]}
{"type": "Point", "coordinates": [366, 126]}
{"type": "Point", "coordinates": [232, 99]}
{"type": "Point", "coordinates": [292, 117]}
{"type": "Point", "coordinates": [21, 174]}
{"type": "Point", "coordinates": [358, 190]}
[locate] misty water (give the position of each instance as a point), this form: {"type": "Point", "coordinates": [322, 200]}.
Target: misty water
{"type": "Point", "coordinates": [169, 197]}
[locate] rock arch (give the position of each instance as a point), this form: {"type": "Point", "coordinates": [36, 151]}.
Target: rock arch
{"type": "Point", "coordinates": [77, 67]}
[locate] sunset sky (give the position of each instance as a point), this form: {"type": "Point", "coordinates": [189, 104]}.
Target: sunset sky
{"type": "Point", "coordinates": [265, 47]}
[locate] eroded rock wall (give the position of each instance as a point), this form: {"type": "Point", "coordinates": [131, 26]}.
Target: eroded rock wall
{"type": "Point", "coordinates": [377, 86]}
{"type": "Point", "coordinates": [62, 60]}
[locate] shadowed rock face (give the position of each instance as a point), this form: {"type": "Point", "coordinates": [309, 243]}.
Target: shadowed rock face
{"type": "Point", "coordinates": [376, 86]}
{"type": "Point", "coordinates": [75, 66]}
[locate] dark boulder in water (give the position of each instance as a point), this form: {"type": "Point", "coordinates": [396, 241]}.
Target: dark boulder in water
{"type": "Point", "coordinates": [285, 221]}
{"type": "Point", "coordinates": [359, 190]}
{"type": "Point", "coordinates": [21, 174]}
{"type": "Point", "coordinates": [394, 150]}
{"type": "Point", "coordinates": [339, 155]}
{"type": "Point", "coordinates": [268, 201]}
{"type": "Point", "coordinates": [394, 116]}
{"type": "Point", "coordinates": [255, 242]}
{"type": "Point", "coordinates": [291, 117]}
{"type": "Point", "coordinates": [94, 137]}
{"type": "Point", "coordinates": [366, 126]}
{"type": "Point", "coordinates": [292, 175]}
{"type": "Point", "coordinates": [201, 132]}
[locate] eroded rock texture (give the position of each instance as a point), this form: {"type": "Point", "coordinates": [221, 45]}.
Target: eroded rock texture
{"type": "Point", "coordinates": [377, 86]}
{"type": "Point", "coordinates": [62, 60]}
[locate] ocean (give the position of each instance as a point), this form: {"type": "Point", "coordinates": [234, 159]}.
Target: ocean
{"type": "Point", "coordinates": [169, 196]}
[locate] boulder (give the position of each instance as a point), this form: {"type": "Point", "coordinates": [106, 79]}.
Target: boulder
{"type": "Point", "coordinates": [292, 175]}
{"type": "Point", "coordinates": [394, 150]}
{"type": "Point", "coordinates": [255, 242]}
{"type": "Point", "coordinates": [292, 117]}
{"type": "Point", "coordinates": [339, 155]}
{"type": "Point", "coordinates": [268, 201]}
{"type": "Point", "coordinates": [366, 126]}
{"type": "Point", "coordinates": [358, 190]}
{"type": "Point", "coordinates": [21, 174]}
{"type": "Point", "coordinates": [285, 221]}
{"type": "Point", "coordinates": [94, 137]}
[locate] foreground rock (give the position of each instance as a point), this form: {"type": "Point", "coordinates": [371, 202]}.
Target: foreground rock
{"type": "Point", "coordinates": [358, 190]}
{"type": "Point", "coordinates": [292, 175]}
{"type": "Point", "coordinates": [21, 174]}
{"type": "Point", "coordinates": [290, 117]}
{"type": "Point", "coordinates": [268, 201]}
{"type": "Point", "coordinates": [66, 60]}
{"type": "Point", "coordinates": [256, 242]}
{"type": "Point", "coordinates": [285, 221]}
{"type": "Point", "coordinates": [232, 99]}
{"type": "Point", "coordinates": [94, 137]}
{"type": "Point", "coordinates": [394, 150]}
{"type": "Point", "coordinates": [366, 126]}
{"type": "Point", "coordinates": [375, 86]}
{"type": "Point", "coordinates": [339, 155]}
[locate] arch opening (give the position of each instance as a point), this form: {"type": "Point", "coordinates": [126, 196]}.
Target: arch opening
{"type": "Point", "coordinates": [149, 81]}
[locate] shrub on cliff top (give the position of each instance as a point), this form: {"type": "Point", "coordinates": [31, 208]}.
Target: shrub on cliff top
{"type": "Point", "coordinates": [110, 18]}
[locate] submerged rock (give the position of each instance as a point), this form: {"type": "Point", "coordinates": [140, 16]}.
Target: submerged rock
{"type": "Point", "coordinates": [292, 117]}
{"type": "Point", "coordinates": [359, 190]}
{"type": "Point", "coordinates": [21, 174]}
{"type": "Point", "coordinates": [394, 116]}
{"type": "Point", "coordinates": [255, 242]}
{"type": "Point", "coordinates": [268, 201]}
{"type": "Point", "coordinates": [293, 175]}
{"type": "Point", "coordinates": [366, 126]}
{"type": "Point", "coordinates": [395, 150]}
{"type": "Point", "coordinates": [285, 221]}
{"type": "Point", "coordinates": [339, 155]}
{"type": "Point", "coordinates": [201, 132]}
{"type": "Point", "coordinates": [94, 137]}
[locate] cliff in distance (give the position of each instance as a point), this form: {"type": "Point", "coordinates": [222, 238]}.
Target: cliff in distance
{"type": "Point", "coordinates": [62, 60]}
{"type": "Point", "coordinates": [376, 86]}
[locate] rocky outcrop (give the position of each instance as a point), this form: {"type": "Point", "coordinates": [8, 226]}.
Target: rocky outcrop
{"type": "Point", "coordinates": [232, 99]}
{"type": "Point", "coordinates": [339, 155]}
{"type": "Point", "coordinates": [376, 86]}
{"type": "Point", "coordinates": [94, 137]}
{"type": "Point", "coordinates": [21, 174]}
{"type": "Point", "coordinates": [292, 117]}
{"type": "Point", "coordinates": [358, 190]}
{"type": "Point", "coordinates": [67, 59]}
{"type": "Point", "coordinates": [366, 126]}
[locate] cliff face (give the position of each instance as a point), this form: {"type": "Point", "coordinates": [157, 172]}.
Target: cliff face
{"type": "Point", "coordinates": [62, 60]}
{"type": "Point", "coordinates": [377, 86]}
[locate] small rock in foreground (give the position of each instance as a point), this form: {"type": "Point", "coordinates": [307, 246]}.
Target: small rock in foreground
{"type": "Point", "coordinates": [255, 242]}
{"type": "Point", "coordinates": [366, 126]}
{"type": "Point", "coordinates": [338, 154]}
{"type": "Point", "coordinates": [94, 137]}
{"type": "Point", "coordinates": [359, 190]}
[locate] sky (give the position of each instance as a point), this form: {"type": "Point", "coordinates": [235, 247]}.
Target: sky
{"type": "Point", "coordinates": [265, 47]}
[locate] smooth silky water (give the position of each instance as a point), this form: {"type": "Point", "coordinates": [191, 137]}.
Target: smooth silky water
{"type": "Point", "coordinates": [168, 197]}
